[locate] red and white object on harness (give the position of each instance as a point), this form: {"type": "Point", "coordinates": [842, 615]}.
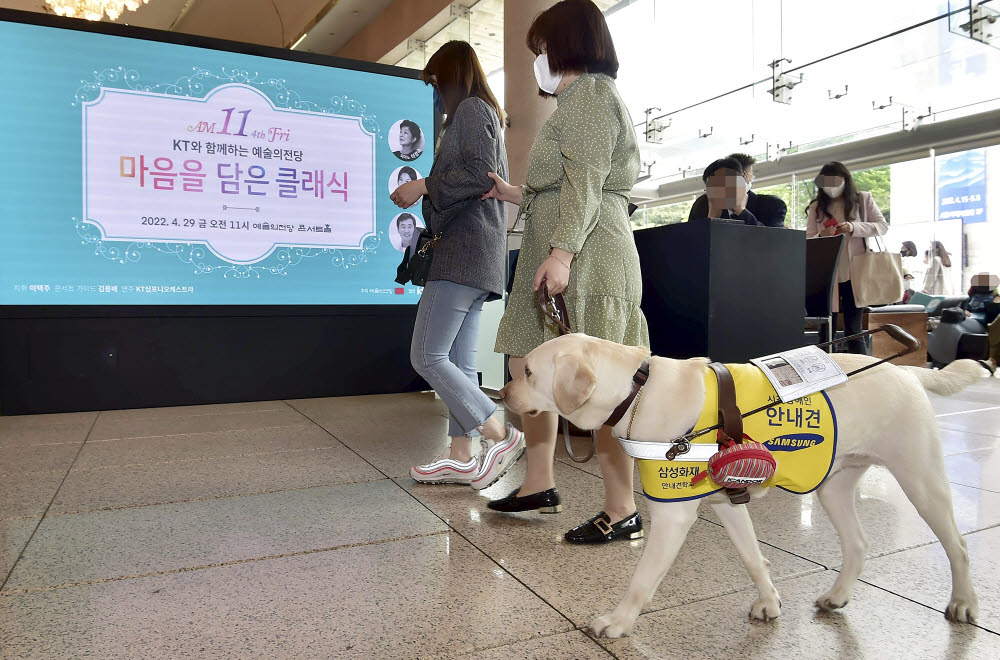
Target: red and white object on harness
{"type": "Point", "coordinates": [738, 465]}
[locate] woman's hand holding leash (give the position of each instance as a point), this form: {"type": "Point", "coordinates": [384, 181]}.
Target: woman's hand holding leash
{"type": "Point", "coordinates": [554, 271]}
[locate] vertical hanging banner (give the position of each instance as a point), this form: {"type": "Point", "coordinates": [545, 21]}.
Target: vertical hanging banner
{"type": "Point", "coordinates": [961, 186]}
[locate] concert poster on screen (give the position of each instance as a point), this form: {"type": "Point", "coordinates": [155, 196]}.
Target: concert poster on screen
{"type": "Point", "coordinates": [139, 172]}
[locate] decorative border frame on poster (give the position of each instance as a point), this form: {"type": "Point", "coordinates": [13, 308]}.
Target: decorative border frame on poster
{"type": "Point", "coordinates": [201, 85]}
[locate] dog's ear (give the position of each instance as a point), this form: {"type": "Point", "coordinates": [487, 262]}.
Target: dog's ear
{"type": "Point", "coordinates": [572, 382]}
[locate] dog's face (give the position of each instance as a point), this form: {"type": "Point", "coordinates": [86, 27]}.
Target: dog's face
{"type": "Point", "coordinates": [582, 378]}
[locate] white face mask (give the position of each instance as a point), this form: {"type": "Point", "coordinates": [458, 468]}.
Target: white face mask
{"type": "Point", "coordinates": [547, 81]}
{"type": "Point", "coordinates": [834, 191]}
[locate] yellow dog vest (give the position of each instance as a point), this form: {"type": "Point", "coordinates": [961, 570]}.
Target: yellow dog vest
{"type": "Point", "coordinates": [801, 435]}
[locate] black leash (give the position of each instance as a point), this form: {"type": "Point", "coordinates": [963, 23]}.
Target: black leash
{"type": "Point", "coordinates": [554, 307]}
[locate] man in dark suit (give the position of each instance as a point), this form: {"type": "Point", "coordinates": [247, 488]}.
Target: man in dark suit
{"type": "Point", "coordinates": [726, 192]}
{"type": "Point", "coordinates": [767, 209]}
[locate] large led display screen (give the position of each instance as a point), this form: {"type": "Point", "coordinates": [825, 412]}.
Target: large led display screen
{"type": "Point", "coordinates": [138, 172]}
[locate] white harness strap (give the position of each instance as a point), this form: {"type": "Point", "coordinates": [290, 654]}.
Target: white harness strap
{"type": "Point", "coordinates": [657, 451]}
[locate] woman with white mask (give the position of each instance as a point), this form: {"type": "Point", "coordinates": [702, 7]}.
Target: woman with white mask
{"type": "Point", "coordinates": [839, 208]}
{"type": "Point", "coordinates": [578, 242]}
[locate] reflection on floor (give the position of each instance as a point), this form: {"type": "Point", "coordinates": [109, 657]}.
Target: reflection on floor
{"type": "Point", "coordinates": [290, 529]}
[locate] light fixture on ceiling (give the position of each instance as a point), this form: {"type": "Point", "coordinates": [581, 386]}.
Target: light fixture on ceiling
{"type": "Point", "coordinates": [93, 10]}
{"type": "Point", "coordinates": [976, 21]}
{"type": "Point", "coordinates": [656, 126]}
{"type": "Point", "coordinates": [781, 82]}
{"type": "Point", "coordinates": [882, 106]}
{"type": "Point", "coordinates": [915, 123]}
{"type": "Point", "coordinates": [839, 95]}
{"type": "Point", "coordinates": [299, 41]}
{"type": "Point", "coordinates": [910, 117]}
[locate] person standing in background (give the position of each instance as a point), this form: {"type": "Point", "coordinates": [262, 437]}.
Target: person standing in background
{"type": "Point", "coordinates": [578, 242]}
{"type": "Point", "coordinates": [913, 264]}
{"type": "Point", "coordinates": [769, 210]}
{"type": "Point", "coordinates": [840, 208]}
{"type": "Point", "coordinates": [993, 330]}
{"type": "Point", "coordinates": [466, 271]}
{"type": "Point", "coordinates": [937, 278]}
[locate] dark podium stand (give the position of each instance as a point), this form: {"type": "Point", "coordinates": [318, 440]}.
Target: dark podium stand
{"type": "Point", "coordinates": [721, 289]}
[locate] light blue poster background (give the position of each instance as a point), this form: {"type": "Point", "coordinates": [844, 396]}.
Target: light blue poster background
{"type": "Point", "coordinates": [50, 257]}
{"type": "Point", "coordinates": [961, 182]}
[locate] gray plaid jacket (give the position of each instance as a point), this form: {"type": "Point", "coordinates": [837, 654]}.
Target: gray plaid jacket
{"type": "Point", "coordinates": [473, 249]}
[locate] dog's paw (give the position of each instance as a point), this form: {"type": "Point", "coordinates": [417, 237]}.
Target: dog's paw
{"type": "Point", "coordinates": [962, 610]}
{"type": "Point", "coordinates": [613, 625]}
{"type": "Point", "coordinates": [833, 600]}
{"type": "Point", "coordinates": [766, 609]}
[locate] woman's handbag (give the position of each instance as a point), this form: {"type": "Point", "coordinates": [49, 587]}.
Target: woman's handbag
{"type": "Point", "coordinates": [417, 266]}
{"type": "Point", "coordinates": [876, 276]}
{"type": "Point", "coordinates": [554, 307]}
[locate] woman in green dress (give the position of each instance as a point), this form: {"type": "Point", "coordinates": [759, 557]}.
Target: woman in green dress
{"type": "Point", "coordinates": [578, 241]}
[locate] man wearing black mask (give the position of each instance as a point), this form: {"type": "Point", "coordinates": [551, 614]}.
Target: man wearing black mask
{"type": "Point", "coordinates": [767, 209]}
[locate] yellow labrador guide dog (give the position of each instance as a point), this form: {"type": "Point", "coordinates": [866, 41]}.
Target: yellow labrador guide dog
{"type": "Point", "coordinates": [883, 417]}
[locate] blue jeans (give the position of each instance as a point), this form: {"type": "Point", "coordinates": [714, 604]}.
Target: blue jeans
{"type": "Point", "coordinates": [443, 351]}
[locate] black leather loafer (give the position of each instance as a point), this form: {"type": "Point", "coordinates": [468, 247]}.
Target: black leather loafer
{"type": "Point", "coordinates": [546, 501]}
{"type": "Point", "coordinates": [600, 530]}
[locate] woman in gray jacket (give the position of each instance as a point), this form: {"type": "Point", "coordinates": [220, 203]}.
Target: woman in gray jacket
{"type": "Point", "coordinates": [467, 269]}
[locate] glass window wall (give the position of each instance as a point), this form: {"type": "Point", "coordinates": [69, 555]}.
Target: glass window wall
{"type": "Point", "coordinates": [702, 70]}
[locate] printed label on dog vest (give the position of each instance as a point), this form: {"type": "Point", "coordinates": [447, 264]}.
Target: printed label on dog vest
{"type": "Point", "coordinates": [800, 434]}
{"type": "Point", "coordinates": [802, 371]}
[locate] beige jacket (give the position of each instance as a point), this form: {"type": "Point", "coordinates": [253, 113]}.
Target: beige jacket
{"type": "Point", "coordinates": [867, 220]}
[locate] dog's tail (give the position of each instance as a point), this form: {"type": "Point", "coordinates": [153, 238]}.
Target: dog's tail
{"type": "Point", "coordinates": [952, 379]}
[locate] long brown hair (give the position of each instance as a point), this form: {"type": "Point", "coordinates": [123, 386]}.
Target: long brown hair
{"type": "Point", "coordinates": [850, 194]}
{"type": "Point", "coordinates": [459, 76]}
{"type": "Point", "coordinates": [937, 250]}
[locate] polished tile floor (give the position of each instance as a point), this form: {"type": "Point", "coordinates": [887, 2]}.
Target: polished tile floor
{"type": "Point", "coordinates": [290, 529]}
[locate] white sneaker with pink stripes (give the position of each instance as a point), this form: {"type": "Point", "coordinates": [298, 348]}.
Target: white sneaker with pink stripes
{"type": "Point", "coordinates": [498, 457]}
{"type": "Point", "coordinates": [446, 470]}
